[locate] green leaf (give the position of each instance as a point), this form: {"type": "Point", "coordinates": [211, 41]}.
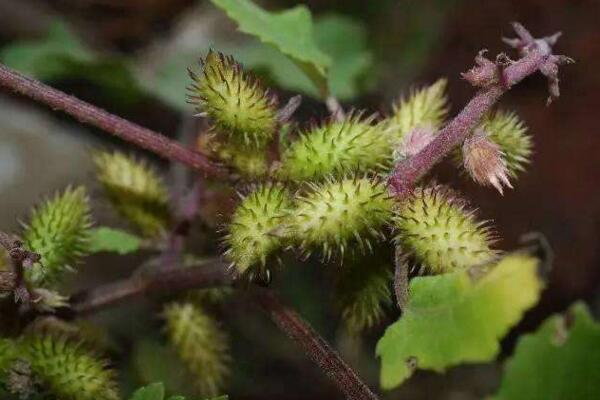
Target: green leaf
{"type": "Point", "coordinates": [290, 31]}
{"type": "Point", "coordinates": [155, 391]}
{"type": "Point", "coordinates": [457, 318]}
{"type": "Point", "coordinates": [342, 38]}
{"type": "Point", "coordinates": [345, 41]}
{"type": "Point", "coordinates": [60, 54]}
{"type": "Point", "coordinates": [559, 361]}
{"type": "Point", "coordinates": [113, 240]}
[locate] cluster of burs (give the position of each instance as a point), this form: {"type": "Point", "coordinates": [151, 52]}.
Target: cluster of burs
{"type": "Point", "coordinates": [323, 188]}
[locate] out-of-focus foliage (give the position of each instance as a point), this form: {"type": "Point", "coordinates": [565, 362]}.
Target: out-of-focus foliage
{"type": "Point", "coordinates": [135, 190]}
{"type": "Point", "coordinates": [156, 391]}
{"type": "Point", "coordinates": [290, 31]}
{"type": "Point", "coordinates": [339, 39]}
{"type": "Point", "coordinates": [105, 239]}
{"type": "Point", "coordinates": [458, 318]}
{"type": "Point", "coordinates": [62, 55]}
{"type": "Point", "coordinates": [201, 343]}
{"type": "Point", "coordinates": [342, 38]}
{"type": "Point", "coordinates": [364, 292]}
{"type": "Point", "coordinates": [559, 361]}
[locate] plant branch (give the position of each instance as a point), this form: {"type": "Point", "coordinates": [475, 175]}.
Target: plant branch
{"type": "Point", "coordinates": [317, 349]}
{"type": "Point", "coordinates": [494, 79]}
{"type": "Point", "coordinates": [215, 273]}
{"type": "Point", "coordinates": [166, 280]}
{"type": "Point", "coordinates": [117, 126]}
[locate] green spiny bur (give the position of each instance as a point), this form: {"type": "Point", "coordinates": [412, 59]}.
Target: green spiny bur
{"type": "Point", "coordinates": [135, 190]}
{"type": "Point", "coordinates": [200, 343]}
{"type": "Point", "coordinates": [509, 132]}
{"type": "Point", "coordinates": [252, 236]}
{"type": "Point", "coordinates": [68, 370]}
{"type": "Point", "coordinates": [426, 107]}
{"type": "Point", "coordinates": [437, 229]}
{"type": "Point", "coordinates": [235, 101]}
{"type": "Point", "coordinates": [335, 214]}
{"type": "Point", "coordinates": [59, 231]}
{"type": "Point", "coordinates": [363, 292]}
{"type": "Point", "coordinates": [249, 162]}
{"type": "Point", "coordinates": [337, 147]}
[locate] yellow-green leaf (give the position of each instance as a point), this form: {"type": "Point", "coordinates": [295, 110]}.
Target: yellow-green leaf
{"type": "Point", "coordinates": [113, 240]}
{"type": "Point", "coordinates": [458, 318]}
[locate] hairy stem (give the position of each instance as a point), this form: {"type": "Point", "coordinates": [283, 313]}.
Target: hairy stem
{"type": "Point", "coordinates": [317, 349]}
{"type": "Point", "coordinates": [167, 280]}
{"type": "Point", "coordinates": [212, 274]}
{"type": "Point", "coordinates": [126, 130]}
{"type": "Point", "coordinates": [408, 172]}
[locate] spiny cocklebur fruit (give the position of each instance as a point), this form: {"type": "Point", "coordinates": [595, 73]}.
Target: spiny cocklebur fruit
{"type": "Point", "coordinates": [237, 104]}
{"type": "Point", "coordinates": [498, 150]}
{"type": "Point", "coordinates": [417, 118]}
{"type": "Point", "coordinates": [364, 290]}
{"type": "Point", "coordinates": [59, 231]}
{"type": "Point", "coordinates": [67, 369]}
{"type": "Point", "coordinates": [509, 132]}
{"type": "Point", "coordinates": [439, 234]}
{"type": "Point", "coordinates": [484, 161]}
{"type": "Point", "coordinates": [255, 228]}
{"type": "Point", "coordinates": [352, 145]}
{"type": "Point", "coordinates": [249, 162]}
{"type": "Point", "coordinates": [135, 190]}
{"type": "Point", "coordinates": [339, 215]}
{"type": "Point", "coordinates": [200, 343]}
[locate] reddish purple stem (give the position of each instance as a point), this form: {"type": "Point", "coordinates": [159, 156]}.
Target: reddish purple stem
{"type": "Point", "coordinates": [537, 55]}
{"type": "Point", "coordinates": [126, 130]}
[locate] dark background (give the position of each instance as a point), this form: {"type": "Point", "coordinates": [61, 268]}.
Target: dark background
{"type": "Point", "coordinates": [414, 42]}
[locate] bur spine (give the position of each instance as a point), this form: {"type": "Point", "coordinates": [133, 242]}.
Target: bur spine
{"type": "Point", "coordinates": [68, 370]}
{"type": "Point", "coordinates": [364, 292]}
{"type": "Point", "coordinates": [240, 108]}
{"type": "Point", "coordinates": [135, 190]}
{"type": "Point", "coordinates": [59, 231]}
{"type": "Point", "coordinates": [437, 231]}
{"type": "Point", "coordinates": [509, 132]}
{"type": "Point", "coordinates": [335, 214]}
{"type": "Point", "coordinates": [425, 108]}
{"type": "Point", "coordinates": [200, 343]}
{"type": "Point", "coordinates": [255, 228]}
{"type": "Point", "coordinates": [353, 145]}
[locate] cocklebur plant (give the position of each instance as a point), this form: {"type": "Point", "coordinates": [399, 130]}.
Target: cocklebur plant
{"type": "Point", "coordinates": [349, 190]}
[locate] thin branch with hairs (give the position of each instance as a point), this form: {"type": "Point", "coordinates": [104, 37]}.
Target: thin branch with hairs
{"type": "Point", "coordinates": [110, 123]}
{"type": "Point", "coordinates": [317, 349]}
{"type": "Point", "coordinates": [494, 79]}
{"type": "Point", "coordinates": [214, 273]}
